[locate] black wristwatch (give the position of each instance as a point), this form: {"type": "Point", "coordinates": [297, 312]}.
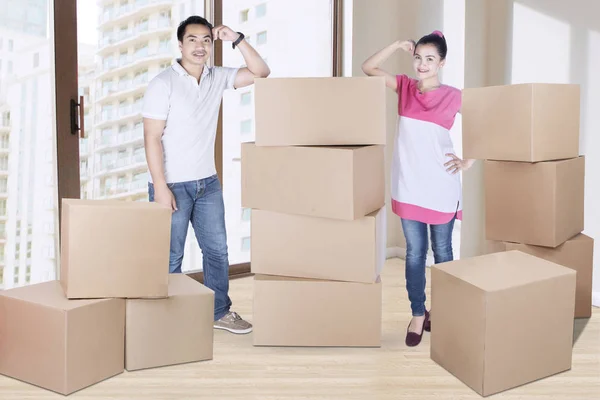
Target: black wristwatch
{"type": "Point", "coordinates": [238, 40]}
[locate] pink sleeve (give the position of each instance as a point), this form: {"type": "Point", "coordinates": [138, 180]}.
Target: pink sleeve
{"type": "Point", "coordinates": [402, 82]}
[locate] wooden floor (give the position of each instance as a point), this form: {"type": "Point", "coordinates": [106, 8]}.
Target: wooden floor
{"type": "Point", "coordinates": [240, 371]}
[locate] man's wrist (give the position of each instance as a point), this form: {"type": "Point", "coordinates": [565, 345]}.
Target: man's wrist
{"type": "Point", "coordinates": [160, 184]}
{"type": "Point", "coordinates": [238, 40]}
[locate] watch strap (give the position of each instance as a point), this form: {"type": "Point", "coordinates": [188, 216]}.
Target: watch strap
{"type": "Point", "coordinates": [239, 39]}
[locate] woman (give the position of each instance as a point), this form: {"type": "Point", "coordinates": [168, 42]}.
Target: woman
{"type": "Point", "coordinates": [426, 189]}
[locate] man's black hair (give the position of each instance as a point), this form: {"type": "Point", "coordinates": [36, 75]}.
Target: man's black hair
{"type": "Point", "coordinates": [193, 20]}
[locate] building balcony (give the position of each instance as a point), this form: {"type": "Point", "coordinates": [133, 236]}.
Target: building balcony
{"type": "Point", "coordinates": [84, 147]}
{"type": "Point", "coordinates": [125, 89]}
{"type": "Point", "coordinates": [122, 139]}
{"type": "Point", "coordinates": [123, 190]}
{"type": "Point", "coordinates": [131, 113]}
{"type": "Point", "coordinates": [117, 15]}
{"type": "Point", "coordinates": [4, 125]}
{"type": "Point", "coordinates": [114, 41]}
{"type": "Point", "coordinates": [120, 166]}
{"type": "Point", "coordinates": [135, 62]}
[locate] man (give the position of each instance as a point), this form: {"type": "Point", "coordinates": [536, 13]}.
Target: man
{"type": "Point", "coordinates": [180, 111]}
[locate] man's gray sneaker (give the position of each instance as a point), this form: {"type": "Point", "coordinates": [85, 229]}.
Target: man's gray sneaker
{"type": "Point", "coordinates": [233, 323]}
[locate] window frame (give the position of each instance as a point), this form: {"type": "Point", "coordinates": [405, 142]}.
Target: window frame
{"type": "Point", "coordinates": [66, 89]}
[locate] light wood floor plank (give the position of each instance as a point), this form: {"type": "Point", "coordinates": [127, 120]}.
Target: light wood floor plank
{"type": "Point", "coordinates": [241, 371]}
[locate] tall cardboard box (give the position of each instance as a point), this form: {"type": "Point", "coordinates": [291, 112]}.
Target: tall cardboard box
{"type": "Point", "coordinates": [320, 248]}
{"type": "Point", "coordinates": [308, 312]}
{"type": "Point", "coordinates": [58, 344]}
{"type": "Point", "coordinates": [320, 111]}
{"type": "Point", "coordinates": [113, 248]}
{"type": "Point", "coordinates": [343, 182]}
{"type": "Point", "coordinates": [502, 320]}
{"type": "Point", "coordinates": [175, 330]}
{"type": "Point", "coordinates": [576, 253]}
{"type": "Point", "coordinates": [521, 122]}
{"type": "Point", "coordinates": [534, 203]}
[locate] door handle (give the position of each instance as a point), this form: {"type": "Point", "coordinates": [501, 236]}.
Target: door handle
{"type": "Point", "coordinates": [77, 124]}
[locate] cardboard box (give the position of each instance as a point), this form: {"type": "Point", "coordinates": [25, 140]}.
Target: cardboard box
{"type": "Point", "coordinates": [320, 111]}
{"type": "Point", "coordinates": [331, 182]}
{"type": "Point", "coordinates": [522, 122]}
{"type": "Point", "coordinates": [320, 248]}
{"type": "Point", "coordinates": [534, 203]}
{"type": "Point", "coordinates": [115, 248]}
{"type": "Point", "coordinates": [502, 320]}
{"type": "Point", "coordinates": [175, 330]}
{"type": "Point", "coordinates": [307, 312]}
{"type": "Point", "coordinates": [576, 253]}
{"type": "Point", "coordinates": [58, 344]}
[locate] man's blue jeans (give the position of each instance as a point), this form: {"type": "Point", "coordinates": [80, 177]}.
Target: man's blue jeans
{"type": "Point", "coordinates": [201, 203]}
{"type": "Point", "coordinates": [417, 245]}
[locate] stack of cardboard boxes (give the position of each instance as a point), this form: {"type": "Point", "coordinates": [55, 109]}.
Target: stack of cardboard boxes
{"type": "Point", "coordinates": [505, 318]}
{"type": "Point", "coordinates": [528, 135]}
{"type": "Point", "coordinates": [115, 307]}
{"type": "Point", "coordinates": [315, 181]}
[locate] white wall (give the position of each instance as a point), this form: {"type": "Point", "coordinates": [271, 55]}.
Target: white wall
{"type": "Point", "coordinates": [373, 28]}
{"type": "Point", "coordinates": [515, 41]}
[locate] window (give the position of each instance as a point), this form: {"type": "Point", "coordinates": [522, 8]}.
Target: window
{"type": "Point", "coordinates": [36, 60]}
{"type": "Point", "coordinates": [10, 45]}
{"type": "Point", "coordinates": [246, 98]}
{"type": "Point", "coordinates": [261, 38]}
{"type": "Point", "coordinates": [246, 214]}
{"type": "Point", "coordinates": [246, 126]}
{"type": "Point", "coordinates": [142, 25]}
{"type": "Point", "coordinates": [246, 244]}
{"type": "Point", "coordinates": [261, 10]}
{"type": "Point", "coordinates": [286, 58]}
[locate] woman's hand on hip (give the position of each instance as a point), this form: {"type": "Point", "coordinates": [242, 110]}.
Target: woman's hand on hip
{"type": "Point", "coordinates": [456, 164]}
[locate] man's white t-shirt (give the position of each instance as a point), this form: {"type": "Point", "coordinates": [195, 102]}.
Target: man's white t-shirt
{"type": "Point", "coordinates": [191, 112]}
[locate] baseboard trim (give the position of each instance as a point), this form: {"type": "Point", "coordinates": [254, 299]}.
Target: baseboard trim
{"type": "Point", "coordinates": [393, 252]}
{"type": "Point", "coordinates": [596, 299]}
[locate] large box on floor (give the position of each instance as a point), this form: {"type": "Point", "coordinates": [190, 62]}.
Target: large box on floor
{"type": "Point", "coordinates": [115, 248]}
{"type": "Point", "coordinates": [576, 253]}
{"type": "Point", "coordinates": [319, 248]}
{"type": "Point", "coordinates": [522, 122]}
{"type": "Point", "coordinates": [502, 320]}
{"type": "Point", "coordinates": [59, 344]}
{"type": "Point", "coordinates": [336, 182]}
{"type": "Point", "coordinates": [534, 203]}
{"type": "Point", "coordinates": [307, 312]}
{"type": "Point", "coordinates": [175, 330]}
{"type": "Point", "coordinates": [320, 111]}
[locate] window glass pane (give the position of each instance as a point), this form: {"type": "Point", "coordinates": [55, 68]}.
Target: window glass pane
{"type": "Point", "coordinates": [280, 35]}
{"type": "Point", "coordinates": [122, 46]}
{"type": "Point", "coordinates": [261, 10]}
{"type": "Point", "coordinates": [28, 183]}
